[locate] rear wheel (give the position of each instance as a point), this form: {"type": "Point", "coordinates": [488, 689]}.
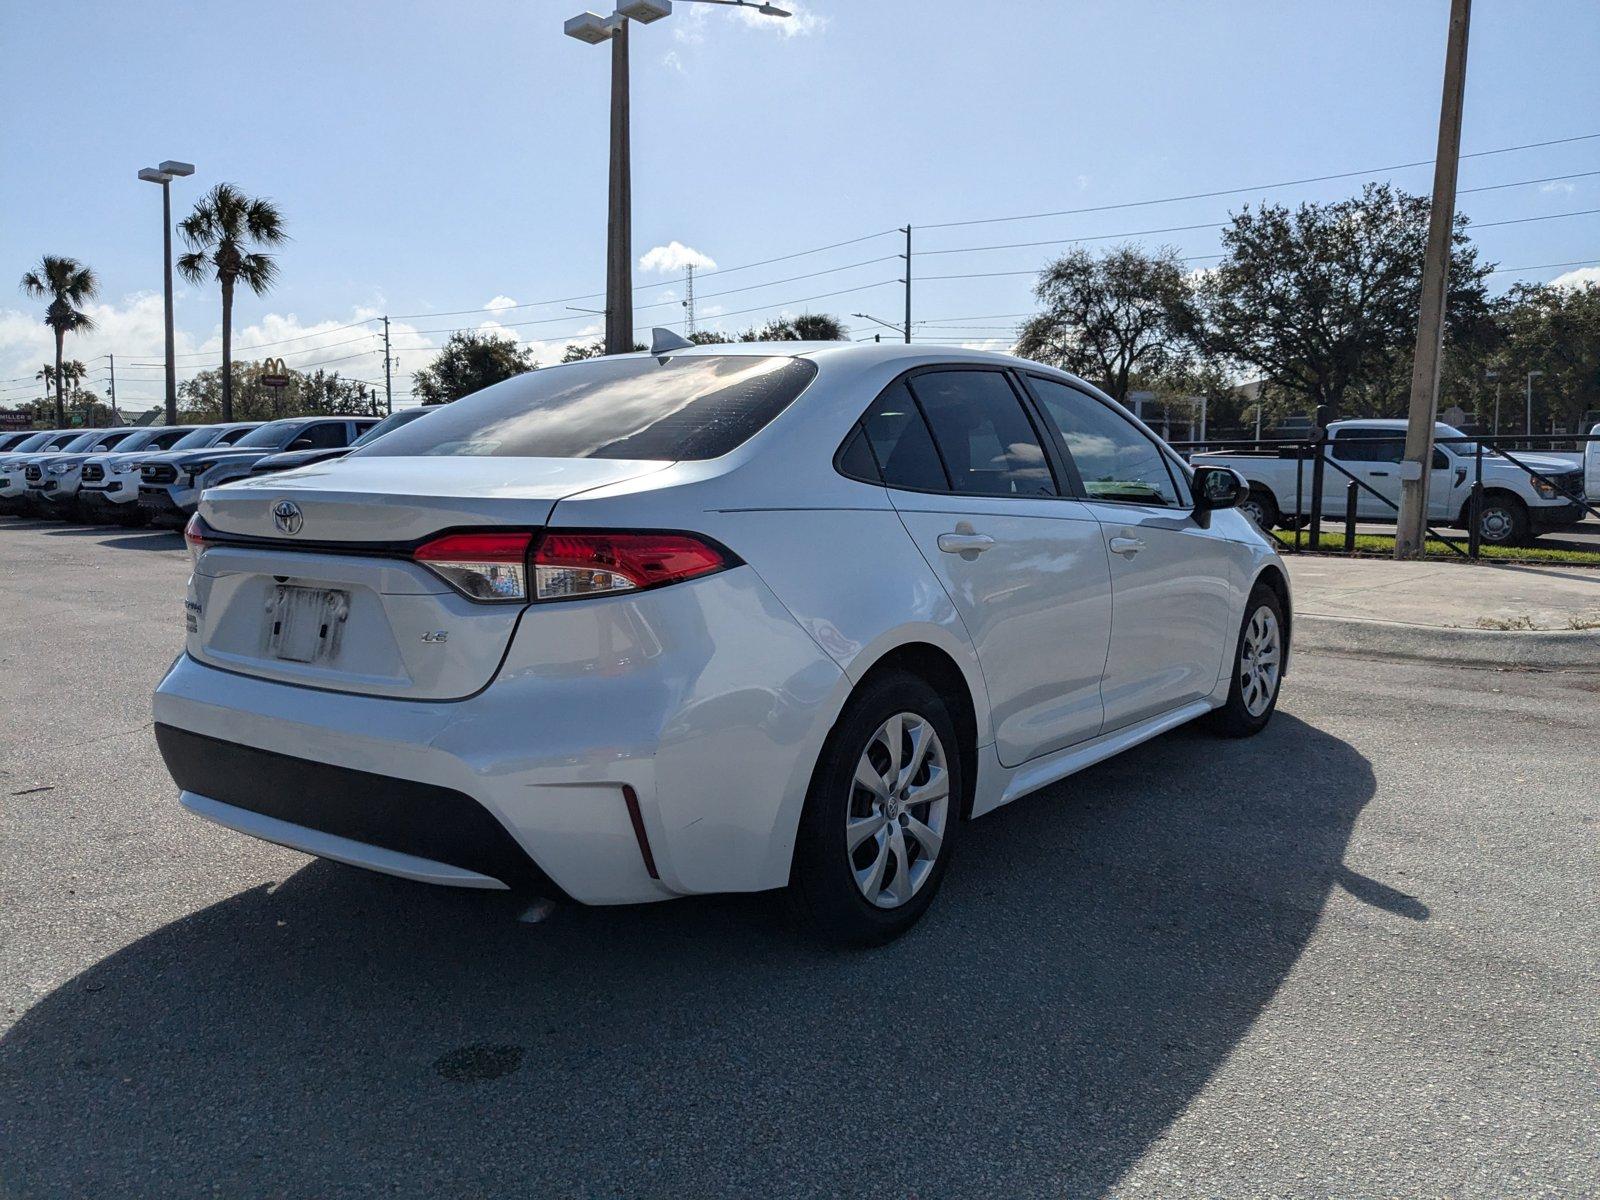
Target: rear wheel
{"type": "Point", "coordinates": [876, 834]}
{"type": "Point", "coordinates": [1257, 667]}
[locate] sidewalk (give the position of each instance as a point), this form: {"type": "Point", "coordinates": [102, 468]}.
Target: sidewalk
{"type": "Point", "coordinates": [1498, 615]}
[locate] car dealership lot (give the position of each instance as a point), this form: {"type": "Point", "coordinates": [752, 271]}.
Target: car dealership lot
{"type": "Point", "coordinates": [1355, 955]}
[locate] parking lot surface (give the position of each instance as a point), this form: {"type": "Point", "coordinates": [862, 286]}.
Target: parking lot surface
{"type": "Point", "coordinates": [1354, 956]}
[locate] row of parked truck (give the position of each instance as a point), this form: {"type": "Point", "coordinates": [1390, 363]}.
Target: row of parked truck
{"type": "Point", "coordinates": [133, 475]}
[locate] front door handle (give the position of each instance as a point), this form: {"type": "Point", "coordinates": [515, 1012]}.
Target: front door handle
{"type": "Point", "coordinates": [1126, 546]}
{"type": "Point", "coordinates": [1378, 474]}
{"type": "Point", "coordinates": [965, 543]}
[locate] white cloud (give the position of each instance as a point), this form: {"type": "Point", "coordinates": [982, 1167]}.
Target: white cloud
{"type": "Point", "coordinates": [674, 257]}
{"type": "Point", "coordinates": [500, 304]}
{"type": "Point", "coordinates": [672, 59]}
{"type": "Point", "coordinates": [1582, 277]}
{"type": "Point", "coordinates": [1559, 186]}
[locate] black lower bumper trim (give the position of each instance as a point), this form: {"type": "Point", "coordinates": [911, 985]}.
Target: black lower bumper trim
{"type": "Point", "coordinates": [414, 818]}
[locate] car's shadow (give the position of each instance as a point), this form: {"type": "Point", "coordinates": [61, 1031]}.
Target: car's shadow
{"type": "Point", "coordinates": [120, 537]}
{"type": "Point", "coordinates": [1096, 954]}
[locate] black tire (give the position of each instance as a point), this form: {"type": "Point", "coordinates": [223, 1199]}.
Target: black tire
{"type": "Point", "coordinates": [1235, 718]}
{"type": "Point", "coordinates": [823, 893]}
{"type": "Point", "coordinates": [1503, 521]}
{"type": "Point", "coordinates": [1262, 507]}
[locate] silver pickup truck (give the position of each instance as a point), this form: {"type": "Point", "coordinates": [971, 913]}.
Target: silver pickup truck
{"type": "Point", "coordinates": [1517, 506]}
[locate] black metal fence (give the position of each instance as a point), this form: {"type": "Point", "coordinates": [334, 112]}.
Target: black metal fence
{"type": "Point", "coordinates": [1307, 518]}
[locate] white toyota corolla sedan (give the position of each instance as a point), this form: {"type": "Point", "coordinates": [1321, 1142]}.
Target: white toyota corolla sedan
{"type": "Point", "coordinates": [713, 619]}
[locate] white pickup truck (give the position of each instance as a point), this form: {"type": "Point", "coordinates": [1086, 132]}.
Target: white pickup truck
{"type": "Point", "coordinates": [1516, 505]}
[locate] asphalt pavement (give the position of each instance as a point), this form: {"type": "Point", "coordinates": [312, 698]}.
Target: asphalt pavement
{"type": "Point", "coordinates": [1354, 956]}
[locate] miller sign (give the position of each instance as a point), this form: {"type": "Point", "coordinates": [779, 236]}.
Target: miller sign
{"type": "Point", "coordinates": [274, 374]}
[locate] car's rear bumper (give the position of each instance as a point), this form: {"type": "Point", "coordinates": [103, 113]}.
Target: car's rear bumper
{"type": "Point", "coordinates": [444, 835]}
{"type": "Point", "coordinates": [686, 720]}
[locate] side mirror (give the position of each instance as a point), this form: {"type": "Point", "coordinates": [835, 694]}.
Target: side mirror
{"type": "Point", "coordinates": [300, 443]}
{"type": "Point", "coordinates": [1214, 488]}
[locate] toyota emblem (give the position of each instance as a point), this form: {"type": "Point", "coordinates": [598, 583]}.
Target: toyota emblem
{"type": "Point", "coordinates": [286, 515]}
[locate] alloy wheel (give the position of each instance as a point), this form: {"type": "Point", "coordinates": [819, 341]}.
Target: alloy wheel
{"type": "Point", "coordinates": [1260, 661]}
{"type": "Point", "coordinates": [899, 805]}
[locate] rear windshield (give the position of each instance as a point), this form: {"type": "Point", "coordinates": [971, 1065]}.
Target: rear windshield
{"type": "Point", "coordinates": [690, 407]}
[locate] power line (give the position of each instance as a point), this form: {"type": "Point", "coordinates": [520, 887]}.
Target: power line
{"type": "Point", "coordinates": [1424, 162]}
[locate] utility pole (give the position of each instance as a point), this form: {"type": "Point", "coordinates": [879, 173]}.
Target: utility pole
{"type": "Point", "coordinates": [388, 382]}
{"type": "Point", "coordinates": [619, 222]}
{"type": "Point", "coordinates": [688, 300]}
{"type": "Point", "coordinates": [907, 257]}
{"type": "Point", "coordinates": [1527, 428]}
{"type": "Point", "coordinates": [1411, 533]}
{"type": "Point", "coordinates": [112, 359]}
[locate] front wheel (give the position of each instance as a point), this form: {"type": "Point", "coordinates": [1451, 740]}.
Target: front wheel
{"type": "Point", "coordinates": [1257, 667]}
{"type": "Point", "coordinates": [878, 826]}
{"type": "Point", "coordinates": [1261, 507]}
{"type": "Point", "coordinates": [1503, 521]}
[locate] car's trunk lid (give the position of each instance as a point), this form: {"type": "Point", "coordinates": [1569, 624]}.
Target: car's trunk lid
{"type": "Point", "coordinates": [309, 577]}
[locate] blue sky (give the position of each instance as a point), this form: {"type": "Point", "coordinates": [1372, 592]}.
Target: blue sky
{"type": "Point", "coordinates": [433, 156]}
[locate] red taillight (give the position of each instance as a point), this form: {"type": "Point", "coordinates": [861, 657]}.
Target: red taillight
{"type": "Point", "coordinates": [592, 564]}
{"type": "Point", "coordinates": [484, 566]}
{"type": "Point", "coordinates": [495, 566]}
{"type": "Point", "coordinates": [194, 537]}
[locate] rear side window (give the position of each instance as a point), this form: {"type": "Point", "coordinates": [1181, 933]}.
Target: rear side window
{"type": "Point", "coordinates": [679, 408]}
{"type": "Point", "coordinates": [1363, 445]}
{"type": "Point", "coordinates": [327, 435]}
{"type": "Point", "coordinates": [901, 450]}
{"type": "Point", "coordinates": [982, 433]}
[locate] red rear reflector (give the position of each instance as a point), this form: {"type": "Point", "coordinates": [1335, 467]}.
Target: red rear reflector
{"type": "Point", "coordinates": [587, 564]}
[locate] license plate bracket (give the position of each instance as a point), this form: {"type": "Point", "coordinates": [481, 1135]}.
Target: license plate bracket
{"type": "Point", "coordinates": [304, 624]}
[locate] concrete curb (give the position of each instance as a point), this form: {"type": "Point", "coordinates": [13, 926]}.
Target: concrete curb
{"type": "Point", "coordinates": [1546, 649]}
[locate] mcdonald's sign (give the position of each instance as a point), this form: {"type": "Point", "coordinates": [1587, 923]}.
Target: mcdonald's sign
{"type": "Point", "coordinates": [274, 374]}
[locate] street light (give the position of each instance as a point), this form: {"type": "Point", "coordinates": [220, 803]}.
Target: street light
{"type": "Point", "coordinates": [164, 175]}
{"type": "Point", "coordinates": [594, 29]}
{"type": "Point", "coordinates": [1532, 375]}
{"type": "Point", "coordinates": [886, 324]}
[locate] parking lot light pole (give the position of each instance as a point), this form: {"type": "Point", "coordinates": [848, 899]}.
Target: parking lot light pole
{"type": "Point", "coordinates": [164, 175]}
{"type": "Point", "coordinates": [594, 29]}
{"type": "Point", "coordinates": [1495, 375]}
{"type": "Point", "coordinates": [1532, 375]}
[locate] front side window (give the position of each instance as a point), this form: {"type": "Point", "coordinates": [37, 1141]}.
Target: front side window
{"type": "Point", "coordinates": [1115, 459]}
{"type": "Point", "coordinates": [685, 407]}
{"type": "Point", "coordinates": [982, 433]}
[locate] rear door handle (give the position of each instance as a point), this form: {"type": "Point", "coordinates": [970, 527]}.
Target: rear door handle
{"type": "Point", "coordinates": [965, 543]}
{"type": "Point", "coordinates": [1126, 546]}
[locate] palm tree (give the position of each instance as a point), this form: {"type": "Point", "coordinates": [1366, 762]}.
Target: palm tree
{"type": "Point", "coordinates": [68, 284]}
{"type": "Point", "coordinates": [219, 234]}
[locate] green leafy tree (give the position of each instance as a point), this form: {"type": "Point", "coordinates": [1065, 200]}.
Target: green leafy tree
{"type": "Point", "coordinates": [1323, 300]}
{"type": "Point", "coordinates": [469, 362]}
{"type": "Point", "coordinates": [1555, 330]}
{"type": "Point", "coordinates": [581, 351]}
{"type": "Point", "coordinates": [808, 327]}
{"type": "Point", "coordinates": [221, 233]}
{"type": "Point", "coordinates": [68, 285]}
{"type": "Point", "coordinates": [1111, 317]}
{"type": "Point", "coordinates": [316, 394]}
